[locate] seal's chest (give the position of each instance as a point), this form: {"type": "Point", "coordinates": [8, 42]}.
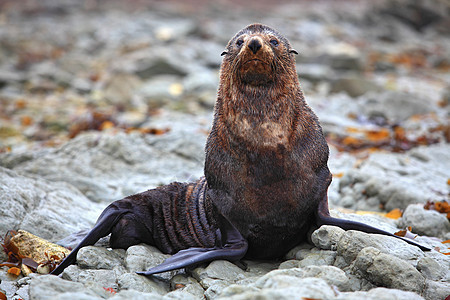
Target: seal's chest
{"type": "Point", "coordinates": [258, 133]}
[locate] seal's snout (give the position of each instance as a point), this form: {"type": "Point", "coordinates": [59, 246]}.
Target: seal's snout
{"type": "Point", "coordinates": [254, 44]}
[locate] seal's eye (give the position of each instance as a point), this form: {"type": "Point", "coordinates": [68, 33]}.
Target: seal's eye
{"type": "Point", "coordinates": [239, 42]}
{"type": "Point", "coordinates": [274, 42]}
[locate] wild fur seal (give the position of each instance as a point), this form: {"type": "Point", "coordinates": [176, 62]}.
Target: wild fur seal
{"type": "Point", "coordinates": [266, 173]}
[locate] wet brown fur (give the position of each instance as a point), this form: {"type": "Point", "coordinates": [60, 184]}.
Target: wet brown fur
{"type": "Point", "coordinates": [266, 157]}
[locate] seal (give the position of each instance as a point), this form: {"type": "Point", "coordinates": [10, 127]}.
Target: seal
{"type": "Point", "coordinates": [266, 174]}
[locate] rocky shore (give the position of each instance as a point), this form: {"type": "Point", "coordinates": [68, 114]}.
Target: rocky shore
{"type": "Point", "coordinates": [100, 100]}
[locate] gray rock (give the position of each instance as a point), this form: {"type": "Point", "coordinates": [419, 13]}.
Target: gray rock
{"type": "Point", "coordinates": [289, 264]}
{"type": "Point", "coordinates": [380, 294]}
{"type": "Point", "coordinates": [49, 287]}
{"type": "Point", "coordinates": [314, 72]}
{"type": "Point", "coordinates": [221, 270]}
{"type": "Point", "coordinates": [318, 258]}
{"type": "Point", "coordinates": [147, 68]}
{"type": "Point", "coordinates": [354, 86]}
{"type": "Point", "coordinates": [132, 294]}
{"type": "Point", "coordinates": [395, 106]}
{"type": "Point", "coordinates": [295, 272]}
{"type": "Point", "coordinates": [181, 295]}
{"type": "Point", "coordinates": [389, 271]}
{"type": "Point", "coordinates": [237, 290]}
{"type": "Point", "coordinates": [161, 91]}
{"type": "Point", "coordinates": [142, 257]}
{"type": "Point", "coordinates": [303, 248]}
{"type": "Point", "coordinates": [433, 270]}
{"type": "Point", "coordinates": [352, 242]}
{"type": "Point", "coordinates": [436, 290]}
{"type": "Point", "coordinates": [109, 167]}
{"type": "Point", "coordinates": [215, 288]}
{"type": "Point", "coordinates": [40, 207]}
{"type": "Point", "coordinates": [327, 237]}
{"type": "Point", "coordinates": [397, 180]}
{"type": "Point", "coordinates": [91, 257]}
{"type": "Point", "coordinates": [105, 278]}
{"type": "Point", "coordinates": [186, 284]}
{"type": "Point", "coordinates": [120, 88]}
{"type": "Point", "coordinates": [425, 222]}
{"type": "Point", "coordinates": [200, 81]}
{"type": "Point", "coordinates": [289, 287]}
{"type": "Point", "coordinates": [133, 281]}
{"type": "Point", "coordinates": [342, 56]}
{"type": "Point", "coordinates": [332, 275]}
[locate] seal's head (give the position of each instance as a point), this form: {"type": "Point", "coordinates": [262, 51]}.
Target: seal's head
{"type": "Point", "coordinates": [258, 56]}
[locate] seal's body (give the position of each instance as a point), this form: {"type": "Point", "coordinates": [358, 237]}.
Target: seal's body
{"type": "Point", "coordinates": [266, 174]}
{"type": "Point", "coordinates": [266, 156]}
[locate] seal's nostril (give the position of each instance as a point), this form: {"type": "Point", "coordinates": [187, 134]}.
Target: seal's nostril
{"type": "Point", "coordinates": [254, 45]}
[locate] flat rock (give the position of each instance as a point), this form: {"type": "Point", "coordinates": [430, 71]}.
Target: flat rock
{"type": "Point", "coordinates": [397, 180]}
{"type": "Point", "coordinates": [390, 271]}
{"type": "Point", "coordinates": [110, 167]}
{"type": "Point", "coordinates": [43, 207]}
{"type": "Point", "coordinates": [425, 222]}
{"type": "Point", "coordinates": [91, 257]}
{"type": "Point", "coordinates": [395, 106]}
{"type": "Point", "coordinates": [352, 242]}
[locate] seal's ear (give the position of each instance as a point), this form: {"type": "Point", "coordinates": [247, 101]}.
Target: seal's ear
{"type": "Point", "coordinates": [293, 51]}
{"type": "Point", "coordinates": [225, 52]}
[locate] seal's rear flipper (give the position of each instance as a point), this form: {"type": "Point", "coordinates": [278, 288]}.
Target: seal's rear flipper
{"type": "Point", "coordinates": [323, 218]}
{"type": "Point", "coordinates": [109, 217]}
{"type": "Point", "coordinates": [232, 246]}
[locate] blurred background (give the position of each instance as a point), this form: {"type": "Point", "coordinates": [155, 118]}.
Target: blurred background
{"type": "Point", "coordinates": [376, 72]}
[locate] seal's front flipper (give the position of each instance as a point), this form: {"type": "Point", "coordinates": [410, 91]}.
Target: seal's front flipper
{"type": "Point", "coordinates": [323, 218]}
{"type": "Point", "coordinates": [231, 246]}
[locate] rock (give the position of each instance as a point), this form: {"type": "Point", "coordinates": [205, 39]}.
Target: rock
{"type": "Point", "coordinates": [436, 290]}
{"type": "Point", "coordinates": [143, 257]}
{"type": "Point", "coordinates": [314, 72]}
{"type": "Point", "coordinates": [237, 290]}
{"type": "Point", "coordinates": [380, 294]}
{"type": "Point", "coordinates": [425, 222]}
{"type": "Point", "coordinates": [303, 248]}
{"type": "Point", "coordinates": [91, 257]}
{"type": "Point", "coordinates": [332, 275]}
{"type": "Point", "coordinates": [343, 56]}
{"type": "Point", "coordinates": [389, 271]}
{"type": "Point", "coordinates": [214, 288]}
{"type": "Point", "coordinates": [181, 295]}
{"type": "Point", "coordinates": [49, 287]}
{"type": "Point", "coordinates": [132, 294]}
{"type": "Point", "coordinates": [186, 284]}
{"type": "Point", "coordinates": [133, 281]}
{"type": "Point", "coordinates": [289, 287]}
{"type": "Point", "coordinates": [433, 270]}
{"type": "Point", "coordinates": [200, 81]}
{"type": "Point", "coordinates": [354, 86]}
{"type": "Point", "coordinates": [295, 272]}
{"type": "Point", "coordinates": [120, 88]}
{"type": "Point", "coordinates": [418, 15]}
{"type": "Point", "coordinates": [109, 167]}
{"type": "Point", "coordinates": [327, 237]}
{"type": "Point", "coordinates": [160, 91]}
{"type": "Point", "coordinates": [352, 242]}
{"type": "Point", "coordinates": [394, 106]}
{"type": "Point", "coordinates": [147, 68]}
{"type": "Point", "coordinates": [41, 207]}
{"type": "Point", "coordinates": [105, 278]}
{"type": "Point", "coordinates": [318, 258]}
{"type": "Point", "coordinates": [397, 180]}
{"type": "Point", "coordinates": [219, 270]}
